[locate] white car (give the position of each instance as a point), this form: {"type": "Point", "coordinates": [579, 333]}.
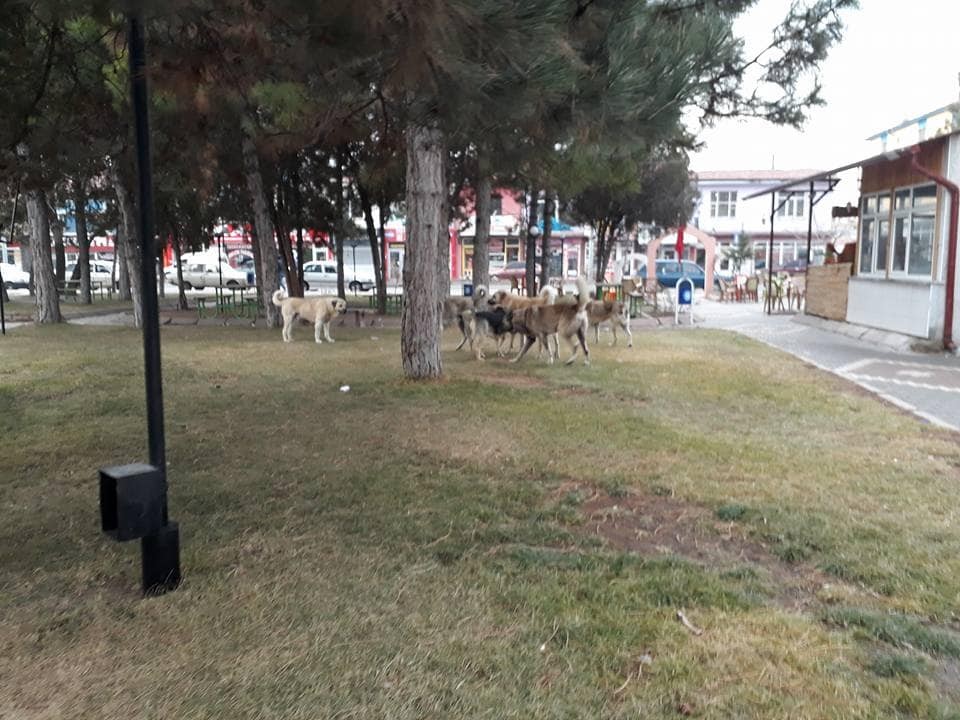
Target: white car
{"type": "Point", "coordinates": [100, 273]}
{"type": "Point", "coordinates": [316, 273]}
{"type": "Point", "coordinates": [207, 273]}
{"type": "Point", "coordinates": [14, 277]}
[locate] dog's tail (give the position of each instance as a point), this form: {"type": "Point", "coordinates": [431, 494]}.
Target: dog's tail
{"type": "Point", "coordinates": [548, 294]}
{"type": "Point", "coordinates": [278, 298]}
{"type": "Point", "coordinates": [583, 293]}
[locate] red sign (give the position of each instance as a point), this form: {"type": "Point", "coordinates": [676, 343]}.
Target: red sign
{"type": "Point", "coordinates": [680, 242]}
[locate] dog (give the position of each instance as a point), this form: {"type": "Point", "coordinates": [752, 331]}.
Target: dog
{"type": "Point", "coordinates": [509, 301]}
{"type": "Point", "coordinates": [318, 310]}
{"type": "Point", "coordinates": [566, 320]}
{"type": "Point", "coordinates": [599, 311]}
{"type": "Point", "coordinates": [484, 323]}
{"type": "Point", "coordinates": [455, 307]}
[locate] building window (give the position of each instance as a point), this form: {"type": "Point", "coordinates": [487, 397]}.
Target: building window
{"type": "Point", "coordinates": [790, 204]}
{"type": "Point", "coordinates": [512, 248]}
{"type": "Point", "coordinates": [496, 205]}
{"type": "Point", "coordinates": [908, 249]}
{"type": "Point", "coordinates": [723, 203]}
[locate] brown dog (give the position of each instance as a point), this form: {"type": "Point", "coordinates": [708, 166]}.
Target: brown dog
{"type": "Point", "coordinates": [599, 311]}
{"type": "Point", "coordinates": [566, 320]}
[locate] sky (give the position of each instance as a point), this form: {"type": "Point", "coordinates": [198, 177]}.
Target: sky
{"type": "Point", "coordinates": [898, 59]}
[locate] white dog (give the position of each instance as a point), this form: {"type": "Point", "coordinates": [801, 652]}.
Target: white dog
{"type": "Point", "coordinates": [319, 310]}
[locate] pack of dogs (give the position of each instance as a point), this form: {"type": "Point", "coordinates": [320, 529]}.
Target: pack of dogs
{"type": "Point", "coordinates": [501, 316]}
{"type": "Point", "coordinates": [543, 319]}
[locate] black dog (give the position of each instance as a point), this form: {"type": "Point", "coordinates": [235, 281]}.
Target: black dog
{"type": "Point", "coordinates": [497, 322]}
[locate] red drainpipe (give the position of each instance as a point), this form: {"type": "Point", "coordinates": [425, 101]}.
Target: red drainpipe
{"type": "Point", "coordinates": [954, 191]}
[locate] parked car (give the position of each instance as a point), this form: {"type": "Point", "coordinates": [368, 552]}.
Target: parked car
{"type": "Point", "coordinates": [516, 269]}
{"type": "Point", "coordinates": [669, 273]}
{"type": "Point", "coordinates": [317, 273]}
{"type": "Point", "coordinates": [202, 273]}
{"type": "Point", "coordinates": [14, 278]}
{"type": "Point", "coordinates": [100, 273]}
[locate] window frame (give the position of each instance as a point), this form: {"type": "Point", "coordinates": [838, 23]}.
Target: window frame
{"type": "Point", "coordinates": [728, 202]}
{"type": "Point", "coordinates": [791, 204]}
{"type": "Point", "coordinates": [906, 212]}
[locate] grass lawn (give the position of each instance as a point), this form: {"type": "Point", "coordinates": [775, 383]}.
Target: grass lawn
{"type": "Point", "coordinates": [512, 542]}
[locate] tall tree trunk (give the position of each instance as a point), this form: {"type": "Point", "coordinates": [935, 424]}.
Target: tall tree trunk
{"type": "Point", "coordinates": [59, 252]}
{"type": "Point", "coordinates": [44, 283]}
{"type": "Point", "coordinates": [377, 257]}
{"type": "Point", "coordinates": [384, 207]}
{"type": "Point", "coordinates": [178, 256]}
{"type": "Point", "coordinates": [261, 217]}
{"type": "Point", "coordinates": [599, 252]}
{"type": "Point", "coordinates": [123, 272]}
{"type": "Point", "coordinates": [255, 249]}
{"type": "Point", "coordinates": [83, 241]}
{"type": "Point", "coordinates": [131, 241]}
{"type": "Point", "coordinates": [420, 328]}
{"type": "Point", "coordinates": [286, 252]}
{"type": "Point", "coordinates": [338, 237]}
{"type": "Point", "coordinates": [548, 207]}
{"type": "Point", "coordinates": [531, 266]}
{"type": "Point", "coordinates": [298, 212]}
{"type": "Point", "coordinates": [481, 240]}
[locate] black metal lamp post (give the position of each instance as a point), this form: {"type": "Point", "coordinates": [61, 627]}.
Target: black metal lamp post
{"type": "Point", "coordinates": [219, 237]}
{"type": "Point", "coordinates": [133, 498]}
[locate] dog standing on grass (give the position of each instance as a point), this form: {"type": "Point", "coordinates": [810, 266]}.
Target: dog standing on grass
{"type": "Point", "coordinates": [485, 323]}
{"type": "Point", "coordinates": [460, 308]}
{"type": "Point", "coordinates": [599, 311]}
{"type": "Point", "coordinates": [318, 310]}
{"type": "Point", "coordinates": [566, 320]}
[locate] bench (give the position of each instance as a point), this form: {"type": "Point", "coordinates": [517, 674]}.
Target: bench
{"type": "Point", "coordinates": [394, 302]}
{"type": "Point", "coordinates": [71, 288]}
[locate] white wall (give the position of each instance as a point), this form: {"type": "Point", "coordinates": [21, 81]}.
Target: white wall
{"type": "Point", "coordinates": [899, 306]}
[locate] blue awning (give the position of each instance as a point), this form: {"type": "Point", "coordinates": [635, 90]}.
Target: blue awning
{"type": "Point", "coordinates": [555, 225]}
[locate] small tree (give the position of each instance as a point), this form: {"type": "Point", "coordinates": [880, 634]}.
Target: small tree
{"type": "Point", "coordinates": [739, 252]}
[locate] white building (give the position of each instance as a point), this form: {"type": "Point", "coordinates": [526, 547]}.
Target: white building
{"type": "Point", "coordinates": [724, 212]}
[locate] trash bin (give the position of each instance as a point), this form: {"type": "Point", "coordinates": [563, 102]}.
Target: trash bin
{"type": "Point", "coordinates": [468, 289]}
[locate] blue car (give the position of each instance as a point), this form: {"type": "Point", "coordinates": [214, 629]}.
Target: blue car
{"type": "Point", "coordinates": [669, 273]}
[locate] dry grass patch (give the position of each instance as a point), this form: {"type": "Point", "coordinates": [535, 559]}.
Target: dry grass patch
{"type": "Point", "coordinates": [437, 550]}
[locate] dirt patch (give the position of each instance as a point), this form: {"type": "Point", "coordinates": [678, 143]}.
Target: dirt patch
{"type": "Point", "coordinates": [654, 525]}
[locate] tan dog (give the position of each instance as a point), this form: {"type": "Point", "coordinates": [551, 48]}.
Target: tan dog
{"type": "Point", "coordinates": [460, 308]}
{"type": "Point", "coordinates": [318, 310]}
{"type": "Point", "coordinates": [509, 301]}
{"type": "Point", "coordinates": [599, 311]}
{"type": "Point", "coordinates": [566, 320]}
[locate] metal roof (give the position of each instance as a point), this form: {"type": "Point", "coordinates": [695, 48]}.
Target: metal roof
{"type": "Point", "coordinates": [795, 185]}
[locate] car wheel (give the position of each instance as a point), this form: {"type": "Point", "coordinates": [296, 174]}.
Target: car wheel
{"type": "Point", "coordinates": [187, 286]}
{"type": "Point", "coordinates": [354, 286]}
{"type": "Point", "coordinates": [306, 286]}
{"type": "Point", "coordinates": [199, 287]}
{"type": "Point", "coordinates": [233, 284]}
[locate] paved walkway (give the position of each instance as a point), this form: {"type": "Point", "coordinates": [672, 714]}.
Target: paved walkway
{"type": "Point", "coordinates": [927, 385]}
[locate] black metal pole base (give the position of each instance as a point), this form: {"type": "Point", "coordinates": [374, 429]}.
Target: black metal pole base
{"type": "Point", "coordinates": [160, 554]}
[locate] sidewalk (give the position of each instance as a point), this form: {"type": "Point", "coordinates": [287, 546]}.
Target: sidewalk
{"type": "Point", "coordinates": [927, 385]}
